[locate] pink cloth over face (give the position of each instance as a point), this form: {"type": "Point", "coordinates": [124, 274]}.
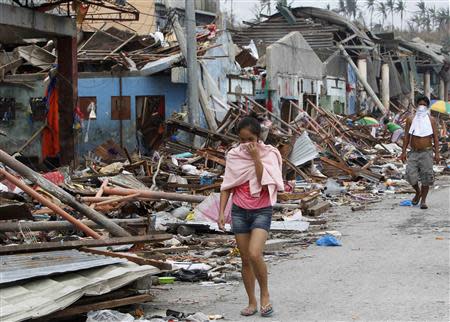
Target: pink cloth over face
{"type": "Point", "coordinates": [240, 169]}
{"type": "Point", "coordinates": [242, 198]}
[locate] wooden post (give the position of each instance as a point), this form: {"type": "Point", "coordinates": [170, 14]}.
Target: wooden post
{"type": "Point", "coordinates": [441, 89]}
{"type": "Point", "coordinates": [61, 194]}
{"type": "Point", "coordinates": [446, 92]}
{"type": "Point", "coordinates": [385, 95]}
{"type": "Point", "coordinates": [68, 95]}
{"type": "Point", "coordinates": [412, 80]}
{"type": "Point", "coordinates": [427, 83]}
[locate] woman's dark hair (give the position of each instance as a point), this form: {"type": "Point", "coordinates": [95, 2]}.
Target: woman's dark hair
{"type": "Point", "coordinates": [251, 122]}
{"type": "Point", "coordinates": [423, 98]}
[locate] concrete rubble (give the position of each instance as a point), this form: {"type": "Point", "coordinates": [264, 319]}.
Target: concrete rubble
{"type": "Point", "coordinates": [139, 218]}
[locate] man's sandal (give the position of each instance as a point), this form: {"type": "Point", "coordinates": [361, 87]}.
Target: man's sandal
{"type": "Point", "coordinates": [267, 311]}
{"type": "Point", "coordinates": [248, 311]}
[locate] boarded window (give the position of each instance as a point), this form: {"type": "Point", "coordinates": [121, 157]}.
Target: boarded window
{"type": "Point", "coordinates": [7, 108]}
{"type": "Point", "coordinates": [120, 108]}
{"type": "Point", "coordinates": [86, 103]}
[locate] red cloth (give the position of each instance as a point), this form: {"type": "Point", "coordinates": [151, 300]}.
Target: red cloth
{"type": "Point", "coordinates": [50, 135]}
{"type": "Point", "coordinates": [55, 177]}
{"type": "Point", "coordinates": [269, 105]}
{"type": "Point", "coordinates": [244, 199]}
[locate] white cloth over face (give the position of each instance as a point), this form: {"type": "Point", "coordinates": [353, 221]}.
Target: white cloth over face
{"type": "Point", "coordinates": [421, 124]}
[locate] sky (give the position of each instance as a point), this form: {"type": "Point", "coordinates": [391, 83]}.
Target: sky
{"type": "Point", "coordinates": [243, 8]}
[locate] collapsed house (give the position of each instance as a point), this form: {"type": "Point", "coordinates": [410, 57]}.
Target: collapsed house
{"type": "Point", "coordinates": [386, 65]}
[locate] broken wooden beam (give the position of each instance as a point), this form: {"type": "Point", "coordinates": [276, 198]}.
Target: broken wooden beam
{"type": "Point", "coordinates": [59, 225]}
{"type": "Point", "coordinates": [61, 245]}
{"type": "Point", "coordinates": [318, 209]}
{"type": "Point", "coordinates": [62, 195]}
{"type": "Point", "coordinates": [155, 195]}
{"type": "Point", "coordinates": [79, 309]}
{"type": "Point", "coordinates": [100, 192]}
{"type": "Point", "coordinates": [135, 259]}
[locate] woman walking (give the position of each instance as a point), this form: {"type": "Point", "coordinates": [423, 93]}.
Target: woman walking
{"type": "Point", "coordinates": [253, 177]}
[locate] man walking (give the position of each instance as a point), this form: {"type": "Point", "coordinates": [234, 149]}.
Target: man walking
{"type": "Point", "coordinates": [421, 133]}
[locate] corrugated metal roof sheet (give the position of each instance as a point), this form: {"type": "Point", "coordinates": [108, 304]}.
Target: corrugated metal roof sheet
{"type": "Point", "coordinates": [23, 266]}
{"type": "Point", "coordinates": [43, 296]}
{"type": "Point", "coordinates": [276, 27]}
{"type": "Point", "coordinates": [304, 150]}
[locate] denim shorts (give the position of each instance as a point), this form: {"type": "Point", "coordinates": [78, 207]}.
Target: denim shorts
{"type": "Point", "coordinates": [243, 221]}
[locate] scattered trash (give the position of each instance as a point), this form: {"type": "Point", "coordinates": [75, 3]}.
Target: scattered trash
{"type": "Point", "coordinates": [109, 315]}
{"type": "Point", "coordinates": [406, 203]}
{"type": "Point", "coordinates": [328, 240]}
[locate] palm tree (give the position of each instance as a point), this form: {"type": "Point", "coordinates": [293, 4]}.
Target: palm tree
{"type": "Point", "coordinates": [382, 11]}
{"type": "Point", "coordinates": [417, 21]}
{"type": "Point", "coordinates": [422, 7]}
{"type": "Point", "coordinates": [351, 8]}
{"type": "Point", "coordinates": [443, 17]}
{"type": "Point", "coordinates": [390, 6]}
{"type": "Point", "coordinates": [400, 8]}
{"type": "Point", "coordinates": [341, 7]}
{"type": "Point", "coordinates": [371, 6]}
{"type": "Point", "coordinates": [432, 13]}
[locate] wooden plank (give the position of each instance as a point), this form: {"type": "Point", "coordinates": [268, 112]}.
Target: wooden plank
{"type": "Point", "coordinates": [166, 250]}
{"type": "Point", "coordinates": [338, 165]}
{"type": "Point", "coordinates": [209, 187]}
{"type": "Point", "coordinates": [74, 310]}
{"type": "Point", "coordinates": [319, 209]}
{"type": "Point", "coordinates": [211, 157]}
{"type": "Point", "coordinates": [131, 258]}
{"type": "Point", "coordinates": [83, 243]}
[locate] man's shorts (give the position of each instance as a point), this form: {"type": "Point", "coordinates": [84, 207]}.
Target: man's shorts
{"type": "Point", "coordinates": [420, 167]}
{"type": "Point", "coordinates": [243, 221]}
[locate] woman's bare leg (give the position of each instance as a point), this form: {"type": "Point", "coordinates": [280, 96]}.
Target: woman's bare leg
{"type": "Point", "coordinates": [243, 242]}
{"type": "Point", "coordinates": [258, 239]}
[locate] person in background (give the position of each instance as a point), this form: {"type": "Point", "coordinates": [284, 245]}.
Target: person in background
{"type": "Point", "coordinates": [253, 176]}
{"type": "Point", "coordinates": [396, 131]}
{"type": "Point", "coordinates": [421, 133]}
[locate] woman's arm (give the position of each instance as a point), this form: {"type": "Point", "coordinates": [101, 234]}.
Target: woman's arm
{"type": "Point", "coordinates": [224, 196]}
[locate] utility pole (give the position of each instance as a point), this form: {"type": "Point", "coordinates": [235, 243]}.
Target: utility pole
{"type": "Point", "coordinates": [192, 65]}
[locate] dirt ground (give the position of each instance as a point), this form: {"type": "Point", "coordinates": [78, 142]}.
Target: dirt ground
{"type": "Point", "coordinates": [393, 265]}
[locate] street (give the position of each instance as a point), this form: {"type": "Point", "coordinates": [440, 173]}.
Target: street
{"type": "Point", "coordinates": [393, 265]}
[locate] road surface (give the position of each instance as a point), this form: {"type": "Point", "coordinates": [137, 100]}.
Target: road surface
{"type": "Point", "coordinates": [393, 265]}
